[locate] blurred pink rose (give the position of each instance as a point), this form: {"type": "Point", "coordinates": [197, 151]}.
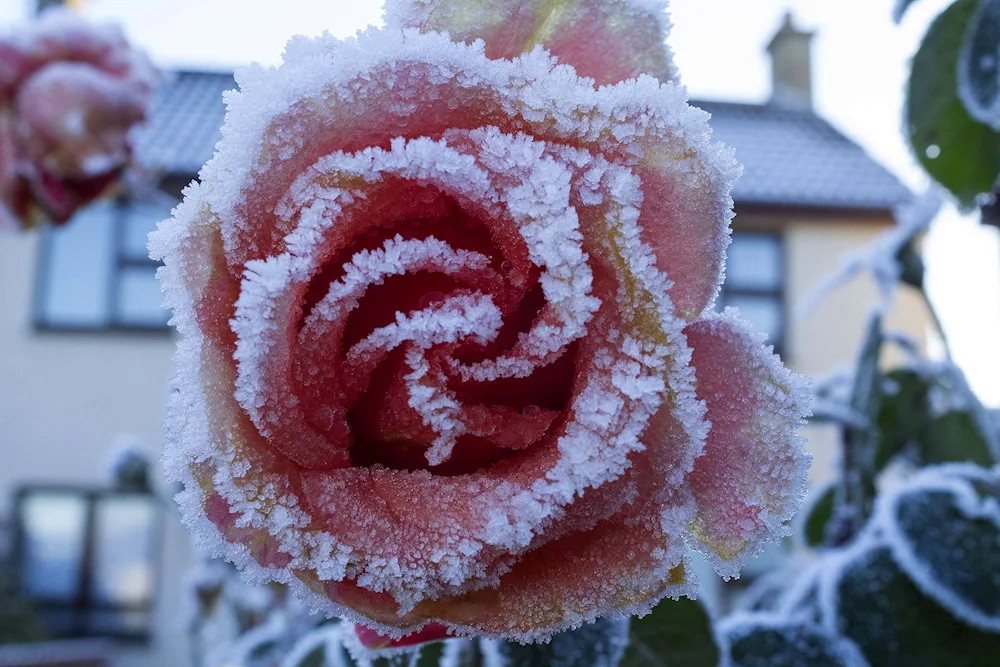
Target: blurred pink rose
{"type": "Point", "coordinates": [448, 356]}
{"type": "Point", "coordinates": [69, 95]}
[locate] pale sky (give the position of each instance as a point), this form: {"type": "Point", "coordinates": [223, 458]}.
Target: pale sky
{"type": "Point", "coordinates": [860, 65]}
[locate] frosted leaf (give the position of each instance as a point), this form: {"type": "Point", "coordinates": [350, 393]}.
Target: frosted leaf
{"type": "Point", "coordinates": [770, 592]}
{"type": "Point", "coordinates": [869, 599]}
{"type": "Point", "coordinates": [882, 258]}
{"type": "Point", "coordinates": [953, 411]}
{"type": "Point", "coordinates": [979, 65]}
{"type": "Point", "coordinates": [800, 601]}
{"type": "Point", "coordinates": [128, 463]}
{"type": "Point", "coordinates": [323, 647]}
{"type": "Point", "coordinates": [943, 527]}
{"type": "Point", "coordinates": [599, 644]}
{"type": "Point", "coordinates": [261, 640]}
{"type": "Point", "coordinates": [900, 9]}
{"type": "Point", "coordinates": [678, 632]}
{"type": "Point", "coordinates": [362, 656]}
{"type": "Point", "coordinates": [770, 640]}
{"type": "Point", "coordinates": [835, 411]}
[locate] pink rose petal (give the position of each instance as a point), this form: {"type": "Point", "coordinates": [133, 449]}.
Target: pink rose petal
{"type": "Point", "coordinates": [371, 639]}
{"type": "Point", "coordinates": [609, 41]}
{"type": "Point", "coordinates": [751, 478]}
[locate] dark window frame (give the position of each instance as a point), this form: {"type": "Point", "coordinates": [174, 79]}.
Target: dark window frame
{"type": "Point", "coordinates": [121, 262]}
{"type": "Point", "coordinates": [778, 292]}
{"type": "Point", "coordinates": [83, 605]}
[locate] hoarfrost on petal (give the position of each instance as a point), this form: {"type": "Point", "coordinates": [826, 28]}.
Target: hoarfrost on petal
{"type": "Point", "coordinates": [608, 41]}
{"type": "Point", "coordinates": [751, 479]}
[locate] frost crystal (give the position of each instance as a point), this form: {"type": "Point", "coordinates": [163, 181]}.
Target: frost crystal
{"type": "Point", "coordinates": [445, 361]}
{"type": "Point", "coordinates": [943, 527]}
{"type": "Point", "coordinates": [883, 257]}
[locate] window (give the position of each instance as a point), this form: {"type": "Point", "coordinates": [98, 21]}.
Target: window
{"type": "Point", "coordinates": [96, 273]}
{"type": "Point", "coordinates": [754, 283]}
{"type": "Point", "coordinates": [88, 559]}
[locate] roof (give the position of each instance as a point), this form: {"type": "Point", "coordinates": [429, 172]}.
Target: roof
{"type": "Point", "coordinates": [791, 158]}
{"type": "Point", "coordinates": [184, 124]}
{"type": "Point", "coordinates": [795, 158]}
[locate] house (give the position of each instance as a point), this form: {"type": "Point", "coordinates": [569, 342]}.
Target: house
{"type": "Point", "coordinates": [86, 353]}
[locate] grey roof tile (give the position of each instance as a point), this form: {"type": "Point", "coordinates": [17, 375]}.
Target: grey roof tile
{"type": "Point", "coordinates": [184, 125]}
{"type": "Point", "coordinates": [791, 158]}
{"type": "Point", "coordinates": [795, 158]}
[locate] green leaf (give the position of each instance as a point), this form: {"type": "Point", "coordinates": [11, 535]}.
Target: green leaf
{"type": "Point", "coordinates": [431, 654]}
{"type": "Point", "coordinates": [857, 491]}
{"type": "Point", "coordinates": [902, 415]}
{"type": "Point", "coordinates": [955, 436]}
{"type": "Point", "coordinates": [819, 514]}
{"type": "Point", "coordinates": [911, 266]}
{"type": "Point", "coordinates": [467, 653]}
{"type": "Point", "coordinates": [956, 150]}
{"type": "Point", "coordinates": [600, 644]}
{"type": "Point", "coordinates": [765, 641]}
{"type": "Point", "coordinates": [945, 533]}
{"type": "Point", "coordinates": [867, 390]}
{"type": "Point", "coordinates": [896, 625]}
{"type": "Point", "coordinates": [978, 80]}
{"type": "Point", "coordinates": [900, 9]}
{"type": "Point", "coordinates": [904, 420]}
{"type": "Point", "coordinates": [262, 649]}
{"type": "Point", "coordinates": [314, 658]}
{"type": "Point", "coordinates": [677, 633]}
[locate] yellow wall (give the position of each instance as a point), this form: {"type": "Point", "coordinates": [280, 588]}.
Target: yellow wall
{"type": "Point", "coordinates": [63, 399]}
{"type": "Point", "coordinates": [829, 335]}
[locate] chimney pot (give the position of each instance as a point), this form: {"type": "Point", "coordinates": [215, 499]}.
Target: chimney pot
{"type": "Point", "coordinates": [42, 5]}
{"type": "Point", "coordinates": [791, 66]}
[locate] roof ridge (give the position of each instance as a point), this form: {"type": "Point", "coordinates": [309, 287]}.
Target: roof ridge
{"type": "Point", "coordinates": [791, 157]}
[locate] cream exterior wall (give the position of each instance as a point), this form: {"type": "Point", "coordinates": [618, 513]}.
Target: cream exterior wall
{"type": "Point", "coordinates": [827, 337]}
{"type": "Point", "coordinates": [65, 397]}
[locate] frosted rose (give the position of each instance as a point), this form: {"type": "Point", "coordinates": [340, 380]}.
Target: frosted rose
{"type": "Point", "coordinates": [447, 354]}
{"type": "Point", "coordinates": [69, 95]}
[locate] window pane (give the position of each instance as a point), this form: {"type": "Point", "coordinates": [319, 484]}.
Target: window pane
{"type": "Point", "coordinates": [763, 312]}
{"type": "Point", "coordinates": [754, 262]}
{"type": "Point", "coordinates": [140, 220]}
{"type": "Point", "coordinates": [123, 559]}
{"type": "Point", "coordinates": [78, 270]}
{"type": "Point", "coordinates": [140, 301]}
{"type": "Point", "coordinates": [54, 532]}
{"type": "Point", "coordinates": [119, 623]}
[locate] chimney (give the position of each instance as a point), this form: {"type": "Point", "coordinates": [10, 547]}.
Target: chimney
{"type": "Point", "coordinates": [791, 67]}
{"type": "Point", "coordinates": [42, 5]}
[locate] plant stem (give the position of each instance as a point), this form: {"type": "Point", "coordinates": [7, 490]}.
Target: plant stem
{"type": "Point", "coordinates": [856, 494]}
{"type": "Point", "coordinates": [937, 324]}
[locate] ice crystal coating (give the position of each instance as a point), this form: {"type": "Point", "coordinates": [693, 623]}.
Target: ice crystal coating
{"type": "Point", "coordinates": [761, 639]}
{"type": "Point", "coordinates": [978, 71]}
{"type": "Point", "coordinates": [70, 93]}
{"type": "Point", "coordinates": [430, 371]}
{"type": "Point", "coordinates": [942, 528]}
